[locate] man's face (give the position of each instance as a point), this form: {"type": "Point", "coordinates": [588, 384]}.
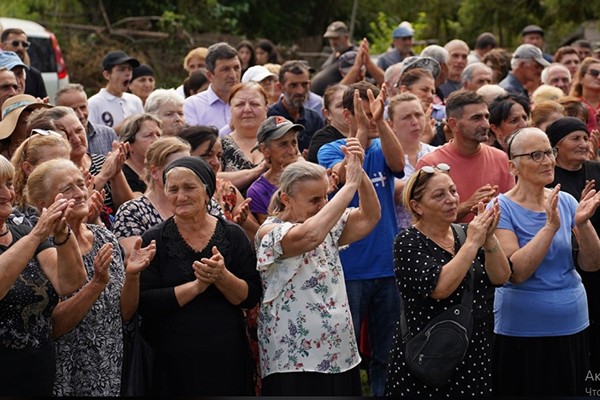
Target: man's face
{"type": "Point", "coordinates": [481, 76]}
{"type": "Point", "coordinates": [474, 124]}
{"type": "Point", "coordinates": [8, 85]}
{"type": "Point", "coordinates": [533, 70]}
{"type": "Point", "coordinates": [295, 88]}
{"type": "Point", "coordinates": [559, 78]}
{"type": "Point", "coordinates": [535, 39]}
{"type": "Point", "coordinates": [118, 78]}
{"type": "Point", "coordinates": [339, 43]}
{"type": "Point", "coordinates": [78, 102]}
{"type": "Point", "coordinates": [20, 75]}
{"type": "Point", "coordinates": [457, 60]}
{"type": "Point", "coordinates": [227, 74]}
{"type": "Point", "coordinates": [20, 41]}
{"type": "Point", "coordinates": [403, 45]}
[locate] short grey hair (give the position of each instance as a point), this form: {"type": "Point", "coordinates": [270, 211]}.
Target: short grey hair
{"type": "Point", "coordinates": [438, 53]}
{"type": "Point", "coordinates": [219, 51]}
{"type": "Point", "coordinates": [467, 74]}
{"type": "Point", "coordinates": [552, 66]}
{"type": "Point", "coordinates": [71, 87]}
{"type": "Point", "coordinates": [160, 97]}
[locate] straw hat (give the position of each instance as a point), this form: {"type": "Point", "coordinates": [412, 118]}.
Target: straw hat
{"type": "Point", "coordinates": [12, 109]}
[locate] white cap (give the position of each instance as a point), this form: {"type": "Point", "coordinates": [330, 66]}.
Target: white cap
{"type": "Point", "coordinates": [256, 73]}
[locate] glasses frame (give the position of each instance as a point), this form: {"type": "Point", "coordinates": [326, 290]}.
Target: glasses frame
{"type": "Point", "coordinates": [428, 169]}
{"type": "Point", "coordinates": [533, 155]}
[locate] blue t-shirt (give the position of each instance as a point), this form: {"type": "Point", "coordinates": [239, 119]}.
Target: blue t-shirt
{"type": "Point", "coordinates": [371, 257]}
{"type": "Point", "coordinates": [552, 302]}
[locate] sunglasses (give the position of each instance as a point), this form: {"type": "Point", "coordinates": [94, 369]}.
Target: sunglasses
{"type": "Point", "coordinates": [44, 132]}
{"type": "Point", "coordinates": [16, 43]}
{"type": "Point", "coordinates": [538, 156]}
{"type": "Point", "coordinates": [427, 169]}
{"type": "Point", "coordinates": [594, 72]}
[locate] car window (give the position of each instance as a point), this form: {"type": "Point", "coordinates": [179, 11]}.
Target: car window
{"type": "Point", "coordinates": [41, 54]}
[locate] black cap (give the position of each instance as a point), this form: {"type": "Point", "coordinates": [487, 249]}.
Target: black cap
{"type": "Point", "coordinates": [142, 70]}
{"type": "Point", "coordinates": [532, 29]}
{"type": "Point", "coordinates": [118, 57]}
{"type": "Point", "coordinates": [562, 127]}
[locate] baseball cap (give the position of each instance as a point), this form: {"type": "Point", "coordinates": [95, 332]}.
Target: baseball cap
{"type": "Point", "coordinates": [532, 29]}
{"type": "Point", "coordinates": [10, 59]}
{"type": "Point", "coordinates": [529, 51]}
{"type": "Point", "coordinates": [256, 73]}
{"type": "Point", "coordinates": [402, 32]}
{"type": "Point", "coordinates": [273, 128]}
{"type": "Point", "coordinates": [118, 57]}
{"type": "Point", "coordinates": [427, 63]}
{"type": "Point", "coordinates": [12, 109]}
{"type": "Point", "coordinates": [336, 29]}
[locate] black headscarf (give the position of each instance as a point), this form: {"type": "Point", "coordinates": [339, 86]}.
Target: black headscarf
{"type": "Point", "coordinates": [560, 128]}
{"type": "Point", "coordinates": [199, 167]}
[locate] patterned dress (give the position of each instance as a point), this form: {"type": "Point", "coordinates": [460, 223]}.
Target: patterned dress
{"type": "Point", "coordinates": [417, 270]}
{"type": "Point", "coordinates": [304, 322]}
{"type": "Point", "coordinates": [90, 356]}
{"type": "Point", "coordinates": [234, 159]}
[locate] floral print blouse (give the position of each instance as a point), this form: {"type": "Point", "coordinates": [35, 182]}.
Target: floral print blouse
{"type": "Point", "coordinates": [304, 323]}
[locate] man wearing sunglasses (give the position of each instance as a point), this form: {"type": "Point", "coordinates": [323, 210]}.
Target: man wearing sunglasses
{"type": "Point", "coordinates": [15, 39]}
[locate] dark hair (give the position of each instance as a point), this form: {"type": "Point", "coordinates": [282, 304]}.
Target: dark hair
{"type": "Point", "coordinates": [362, 86]}
{"type": "Point", "coordinates": [486, 40]}
{"type": "Point", "coordinates": [11, 31]}
{"type": "Point", "coordinates": [198, 135]}
{"type": "Point", "coordinates": [328, 95]}
{"type": "Point", "coordinates": [412, 76]}
{"type": "Point", "coordinates": [295, 67]}
{"type": "Point", "coordinates": [573, 107]}
{"type": "Point", "coordinates": [583, 43]}
{"type": "Point", "coordinates": [247, 44]}
{"type": "Point", "coordinates": [194, 81]}
{"type": "Point", "coordinates": [500, 60]}
{"type": "Point", "coordinates": [268, 46]}
{"type": "Point", "coordinates": [219, 51]}
{"type": "Point", "coordinates": [456, 102]}
{"type": "Point", "coordinates": [501, 106]}
{"type": "Point", "coordinates": [563, 51]}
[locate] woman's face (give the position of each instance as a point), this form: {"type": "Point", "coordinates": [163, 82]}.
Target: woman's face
{"type": "Point", "coordinates": [70, 182]}
{"type": "Point", "coordinates": [440, 199]}
{"type": "Point", "coordinates": [142, 86]}
{"type": "Point", "coordinates": [308, 198]}
{"type": "Point", "coordinates": [171, 115]}
{"type": "Point", "coordinates": [7, 196]}
{"type": "Point", "coordinates": [76, 134]}
{"type": "Point", "coordinates": [261, 56]}
{"type": "Point", "coordinates": [212, 156]}
{"type": "Point", "coordinates": [517, 119]}
{"type": "Point", "coordinates": [245, 54]}
{"type": "Point", "coordinates": [409, 121]}
{"type": "Point", "coordinates": [149, 133]}
{"type": "Point", "coordinates": [573, 148]}
{"type": "Point", "coordinates": [186, 193]}
{"type": "Point", "coordinates": [335, 113]}
{"type": "Point", "coordinates": [571, 61]}
{"type": "Point", "coordinates": [590, 82]}
{"type": "Point", "coordinates": [424, 89]}
{"type": "Point", "coordinates": [195, 63]}
{"type": "Point", "coordinates": [282, 151]}
{"type": "Point", "coordinates": [248, 109]}
{"type": "Point", "coordinates": [539, 173]}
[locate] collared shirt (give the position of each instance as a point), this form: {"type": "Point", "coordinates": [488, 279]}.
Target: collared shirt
{"type": "Point", "coordinates": [100, 138]}
{"type": "Point", "coordinates": [310, 119]}
{"type": "Point", "coordinates": [390, 58]}
{"type": "Point", "coordinates": [512, 85]}
{"type": "Point", "coordinates": [206, 108]}
{"type": "Point", "coordinates": [108, 109]}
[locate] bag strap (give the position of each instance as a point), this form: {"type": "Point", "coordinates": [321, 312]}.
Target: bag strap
{"type": "Point", "coordinates": [467, 296]}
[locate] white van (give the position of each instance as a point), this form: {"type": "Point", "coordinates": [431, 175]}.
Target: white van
{"type": "Point", "coordinates": [44, 53]}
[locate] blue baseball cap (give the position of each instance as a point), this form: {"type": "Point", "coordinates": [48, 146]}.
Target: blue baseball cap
{"type": "Point", "coordinates": [402, 32]}
{"type": "Point", "coordinates": [10, 59]}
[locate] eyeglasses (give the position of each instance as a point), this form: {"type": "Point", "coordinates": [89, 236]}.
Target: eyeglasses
{"type": "Point", "coordinates": [428, 169]}
{"type": "Point", "coordinates": [16, 43]}
{"type": "Point", "coordinates": [593, 72]}
{"type": "Point", "coordinates": [538, 156]}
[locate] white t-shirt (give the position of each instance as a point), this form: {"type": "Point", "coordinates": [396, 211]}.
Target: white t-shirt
{"type": "Point", "coordinates": [107, 109]}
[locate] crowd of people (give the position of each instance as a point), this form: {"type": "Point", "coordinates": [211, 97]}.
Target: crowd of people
{"type": "Point", "coordinates": [271, 227]}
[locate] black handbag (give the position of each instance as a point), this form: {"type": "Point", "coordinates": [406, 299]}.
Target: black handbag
{"type": "Point", "coordinates": [435, 352]}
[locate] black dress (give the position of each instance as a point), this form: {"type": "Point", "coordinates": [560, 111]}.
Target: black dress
{"type": "Point", "coordinates": [200, 348]}
{"type": "Point", "coordinates": [417, 264]}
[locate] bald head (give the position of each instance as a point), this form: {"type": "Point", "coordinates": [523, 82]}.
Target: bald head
{"type": "Point", "coordinates": [458, 52]}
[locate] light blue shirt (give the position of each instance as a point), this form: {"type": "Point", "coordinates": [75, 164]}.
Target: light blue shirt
{"type": "Point", "coordinates": [206, 108]}
{"type": "Point", "coordinates": [552, 302]}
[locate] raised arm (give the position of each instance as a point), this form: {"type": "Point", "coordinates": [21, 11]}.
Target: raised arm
{"type": "Point", "coordinates": [390, 145]}
{"type": "Point", "coordinates": [137, 260]}
{"type": "Point", "coordinates": [588, 257]}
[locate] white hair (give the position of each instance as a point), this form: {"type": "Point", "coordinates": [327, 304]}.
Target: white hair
{"type": "Point", "coordinates": [547, 70]}
{"type": "Point", "coordinates": [438, 53]}
{"type": "Point", "coordinates": [160, 97]}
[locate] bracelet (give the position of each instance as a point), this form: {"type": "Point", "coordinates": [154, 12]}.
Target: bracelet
{"type": "Point", "coordinates": [66, 239]}
{"type": "Point", "coordinates": [493, 249]}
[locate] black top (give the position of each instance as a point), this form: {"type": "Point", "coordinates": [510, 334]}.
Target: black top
{"type": "Point", "coordinates": [323, 136]}
{"type": "Point", "coordinates": [201, 347]}
{"type": "Point", "coordinates": [133, 179]}
{"type": "Point", "coordinates": [34, 83]}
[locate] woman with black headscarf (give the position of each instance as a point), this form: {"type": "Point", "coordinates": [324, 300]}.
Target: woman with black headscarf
{"type": "Point", "coordinates": [577, 176]}
{"type": "Point", "coordinates": [193, 292]}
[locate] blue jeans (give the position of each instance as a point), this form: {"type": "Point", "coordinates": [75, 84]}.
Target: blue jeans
{"type": "Point", "coordinates": [378, 299]}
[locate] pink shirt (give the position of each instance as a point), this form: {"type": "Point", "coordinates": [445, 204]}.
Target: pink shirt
{"type": "Point", "coordinates": [470, 172]}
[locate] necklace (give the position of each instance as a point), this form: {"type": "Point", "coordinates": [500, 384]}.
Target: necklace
{"type": "Point", "coordinates": [4, 233]}
{"type": "Point", "coordinates": [449, 247]}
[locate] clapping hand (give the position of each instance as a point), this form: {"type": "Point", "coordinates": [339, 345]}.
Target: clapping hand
{"type": "Point", "coordinates": [139, 258]}
{"type": "Point", "coordinates": [587, 206]}
{"type": "Point", "coordinates": [210, 270]}
{"type": "Point", "coordinates": [551, 206]}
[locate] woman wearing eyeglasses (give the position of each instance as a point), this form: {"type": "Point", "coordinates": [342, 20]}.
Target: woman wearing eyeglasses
{"type": "Point", "coordinates": [432, 269]}
{"type": "Point", "coordinates": [541, 316]}
{"type": "Point", "coordinates": [576, 176]}
{"type": "Point", "coordinates": [586, 85]}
